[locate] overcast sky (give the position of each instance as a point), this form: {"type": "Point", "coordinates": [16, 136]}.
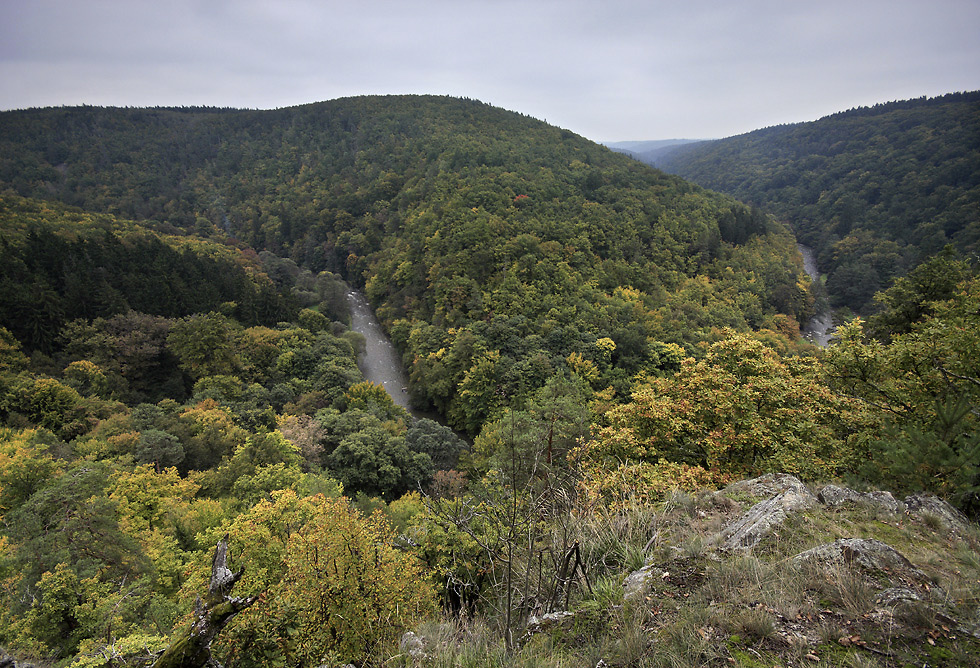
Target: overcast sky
{"type": "Point", "coordinates": [607, 69]}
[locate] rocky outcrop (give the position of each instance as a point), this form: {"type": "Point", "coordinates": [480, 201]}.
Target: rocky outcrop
{"type": "Point", "coordinates": [551, 620]}
{"type": "Point", "coordinates": [920, 506]}
{"type": "Point", "coordinates": [762, 518]}
{"type": "Point", "coordinates": [546, 623]}
{"type": "Point", "coordinates": [767, 485]}
{"type": "Point", "coordinates": [924, 506]}
{"type": "Point", "coordinates": [833, 496]}
{"type": "Point", "coordinates": [867, 554]}
{"type": "Point", "coordinates": [784, 494]}
{"type": "Point", "coordinates": [899, 582]}
{"type": "Point", "coordinates": [884, 501]}
{"type": "Point", "coordinates": [895, 596]}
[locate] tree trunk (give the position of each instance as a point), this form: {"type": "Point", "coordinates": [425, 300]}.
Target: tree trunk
{"type": "Point", "coordinates": [192, 649]}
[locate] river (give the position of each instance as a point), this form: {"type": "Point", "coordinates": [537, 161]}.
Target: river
{"type": "Point", "coordinates": [381, 364]}
{"type": "Point", "coordinates": [820, 327]}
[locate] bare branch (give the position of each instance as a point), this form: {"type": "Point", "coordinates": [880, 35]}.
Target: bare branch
{"type": "Point", "coordinates": [192, 649]}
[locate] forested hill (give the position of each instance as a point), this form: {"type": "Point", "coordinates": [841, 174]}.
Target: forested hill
{"type": "Point", "coordinates": [499, 250]}
{"type": "Point", "coordinates": [873, 190]}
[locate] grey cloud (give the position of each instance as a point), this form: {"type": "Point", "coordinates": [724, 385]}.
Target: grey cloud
{"type": "Point", "coordinates": [620, 69]}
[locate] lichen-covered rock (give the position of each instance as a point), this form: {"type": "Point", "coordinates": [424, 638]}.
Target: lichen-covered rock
{"type": "Point", "coordinates": [768, 485]}
{"type": "Point", "coordinates": [762, 518]}
{"type": "Point", "coordinates": [868, 554]}
{"type": "Point", "coordinates": [637, 583]}
{"type": "Point", "coordinates": [833, 496]}
{"type": "Point", "coordinates": [896, 595]}
{"type": "Point", "coordinates": [884, 501]}
{"type": "Point", "coordinates": [972, 626]}
{"type": "Point", "coordinates": [947, 515]}
{"type": "Point", "coordinates": [7, 661]}
{"type": "Point", "coordinates": [545, 624]}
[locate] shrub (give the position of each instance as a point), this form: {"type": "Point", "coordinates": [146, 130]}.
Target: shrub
{"type": "Point", "coordinates": [332, 583]}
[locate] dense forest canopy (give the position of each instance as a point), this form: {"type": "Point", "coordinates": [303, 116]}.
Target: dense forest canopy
{"type": "Point", "coordinates": [56, 266]}
{"type": "Point", "coordinates": [493, 245]}
{"type": "Point", "coordinates": [177, 373]}
{"type": "Point", "coordinates": [873, 190]}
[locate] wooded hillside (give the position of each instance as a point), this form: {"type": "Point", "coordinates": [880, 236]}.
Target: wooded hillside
{"type": "Point", "coordinates": [873, 190]}
{"type": "Point", "coordinates": [493, 245]}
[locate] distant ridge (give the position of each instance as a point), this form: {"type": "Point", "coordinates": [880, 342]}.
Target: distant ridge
{"type": "Point", "coordinates": [652, 151]}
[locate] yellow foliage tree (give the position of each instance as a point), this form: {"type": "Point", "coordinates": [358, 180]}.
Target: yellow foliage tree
{"type": "Point", "coordinates": [334, 589]}
{"type": "Point", "coordinates": [742, 410]}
